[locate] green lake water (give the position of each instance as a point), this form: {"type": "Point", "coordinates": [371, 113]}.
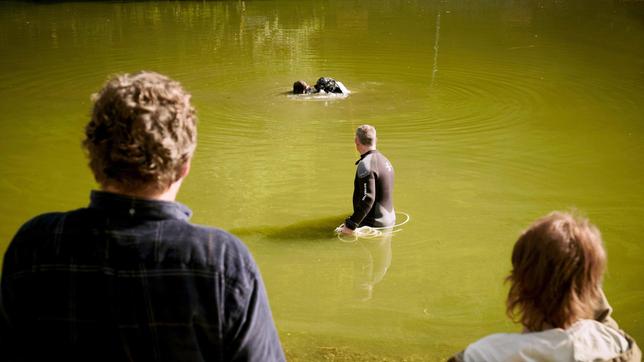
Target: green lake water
{"type": "Point", "coordinates": [492, 115]}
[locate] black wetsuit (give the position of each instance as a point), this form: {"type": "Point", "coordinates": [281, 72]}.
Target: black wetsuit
{"type": "Point", "coordinates": [373, 192]}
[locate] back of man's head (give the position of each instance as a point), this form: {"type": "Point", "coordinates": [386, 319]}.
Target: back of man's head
{"type": "Point", "coordinates": [366, 135]}
{"type": "Point", "coordinates": [142, 132]}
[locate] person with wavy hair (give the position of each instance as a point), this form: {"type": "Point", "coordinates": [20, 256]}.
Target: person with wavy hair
{"type": "Point", "coordinates": [129, 278]}
{"type": "Point", "coordinates": [555, 293]}
{"type": "Point", "coordinates": [142, 133]}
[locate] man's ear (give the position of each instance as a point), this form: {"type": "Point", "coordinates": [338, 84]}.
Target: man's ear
{"type": "Point", "coordinates": [185, 169]}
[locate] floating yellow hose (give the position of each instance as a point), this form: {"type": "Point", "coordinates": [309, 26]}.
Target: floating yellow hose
{"type": "Point", "coordinates": [368, 232]}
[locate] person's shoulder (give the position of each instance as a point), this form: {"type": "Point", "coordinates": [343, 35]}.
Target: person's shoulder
{"type": "Point", "coordinates": [380, 155]}
{"type": "Point", "coordinates": [220, 249]}
{"type": "Point", "coordinates": [35, 234]}
{"type": "Point", "coordinates": [594, 340]}
{"type": "Point", "coordinates": [586, 340]}
{"type": "Point", "coordinates": [41, 224]}
{"type": "Point", "coordinates": [364, 166]}
{"type": "Point", "coordinates": [381, 163]}
{"type": "Point", "coordinates": [508, 346]}
{"type": "Point", "coordinates": [44, 220]}
{"type": "Point", "coordinates": [490, 343]}
{"type": "Point", "coordinates": [217, 235]}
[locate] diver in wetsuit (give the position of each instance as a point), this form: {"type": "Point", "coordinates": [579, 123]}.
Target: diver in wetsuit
{"type": "Point", "coordinates": [373, 186]}
{"type": "Point", "coordinates": [323, 85]}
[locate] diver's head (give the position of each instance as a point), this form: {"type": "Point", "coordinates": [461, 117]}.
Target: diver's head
{"type": "Point", "coordinates": [300, 87]}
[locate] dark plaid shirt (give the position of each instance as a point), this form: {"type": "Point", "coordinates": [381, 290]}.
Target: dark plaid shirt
{"type": "Point", "coordinates": [132, 280]}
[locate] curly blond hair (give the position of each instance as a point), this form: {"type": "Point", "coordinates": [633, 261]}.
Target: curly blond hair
{"type": "Point", "coordinates": [142, 132]}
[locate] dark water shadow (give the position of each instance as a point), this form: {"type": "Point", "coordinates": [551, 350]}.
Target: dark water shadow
{"type": "Point", "coordinates": [307, 230]}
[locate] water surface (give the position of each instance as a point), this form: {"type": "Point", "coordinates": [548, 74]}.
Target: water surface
{"type": "Point", "coordinates": [492, 116]}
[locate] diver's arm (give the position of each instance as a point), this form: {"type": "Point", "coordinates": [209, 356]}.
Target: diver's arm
{"type": "Point", "coordinates": [341, 88]}
{"type": "Point", "coordinates": [367, 191]}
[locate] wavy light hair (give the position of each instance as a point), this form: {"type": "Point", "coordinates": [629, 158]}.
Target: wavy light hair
{"type": "Point", "coordinates": [142, 132]}
{"type": "Point", "coordinates": [557, 269]}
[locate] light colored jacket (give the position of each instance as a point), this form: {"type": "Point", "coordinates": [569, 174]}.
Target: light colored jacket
{"type": "Point", "coordinates": [586, 340]}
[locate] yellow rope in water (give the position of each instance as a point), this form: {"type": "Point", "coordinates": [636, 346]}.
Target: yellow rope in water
{"type": "Point", "coordinates": [368, 232]}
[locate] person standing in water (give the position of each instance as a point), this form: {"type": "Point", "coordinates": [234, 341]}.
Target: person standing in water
{"type": "Point", "coordinates": [373, 186]}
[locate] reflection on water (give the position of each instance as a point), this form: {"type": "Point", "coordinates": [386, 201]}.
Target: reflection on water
{"type": "Point", "coordinates": [494, 113]}
{"type": "Point", "coordinates": [370, 257]}
{"type": "Point", "coordinates": [372, 263]}
{"type": "Point", "coordinates": [436, 45]}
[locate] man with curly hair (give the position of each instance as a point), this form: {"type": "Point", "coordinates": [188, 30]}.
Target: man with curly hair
{"type": "Point", "coordinates": [129, 278]}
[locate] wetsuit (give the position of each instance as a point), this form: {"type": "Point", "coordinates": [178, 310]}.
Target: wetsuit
{"type": "Point", "coordinates": [330, 85]}
{"type": "Point", "coordinates": [373, 192]}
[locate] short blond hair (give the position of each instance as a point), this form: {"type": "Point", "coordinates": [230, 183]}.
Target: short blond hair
{"type": "Point", "coordinates": [366, 135]}
{"type": "Point", "coordinates": [141, 133]}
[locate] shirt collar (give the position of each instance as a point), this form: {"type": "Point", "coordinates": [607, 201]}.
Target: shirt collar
{"type": "Point", "coordinates": [129, 206]}
{"type": "Point", "coordinates": [364, 155]}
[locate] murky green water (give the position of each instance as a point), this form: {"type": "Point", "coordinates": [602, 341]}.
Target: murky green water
{"type": "Point", "coordinates": [492, 115]}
